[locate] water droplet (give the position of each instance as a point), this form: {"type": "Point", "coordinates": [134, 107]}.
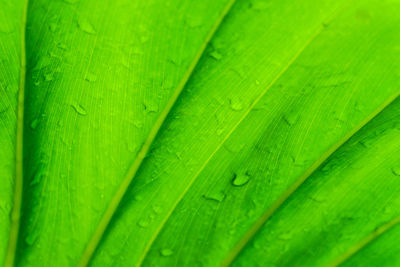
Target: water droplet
{"type": "Point", "coordinates": [86, 26]}
{"type": "Point", "coordinates": [79, 109]}
{"type": "Point", "coordinates": [138, 124]}
{"type": "Point", "coordinates": [49, 77]}
{"type": "Point", "coordinates": [157, 209]}
{"type": "Point", "coordinates": [216, 55]}
{"type": "Point", "coordinates": [387, 210]}
{"type": "Point", "coordinates": [236, 104]}
{"type": "Point", "coordinates": [143, 223]}
{"type": "Point", "coordinates": [359, 107]}
{"type": "Point", "coordinates": [36, 178]}
{"type": "Point", "coordinates": [42, 63]}
{"type": "Point", "coordinates": [318, 198]}
{"type": "Point", "coordinates": [62, 46]}
{"type": "Point", "coordinates": [53, 26]}
{"type": "Point", "coordinates": [34, 124]}
{"type": "Point", "coordinates": [291, 118]}
{"type": "Point", "coordinates": [216, 196]}
{"type": "Point", "coordinates": [240, 179]}
{"type": "Point", "coordinates": [31, 238]}
{"type": "Point", "coordinates": [150, 107]}
{"type": "Point", "coordinates": [396, 171]}
{"type": "Point", "coordinates": [166, 252]}
{"type": "Point", "coordinates": [138, 198]}
{"type": "Point", "coordinates": [285, 236]}
{"type": "Point", "coordinates": [90, 77]}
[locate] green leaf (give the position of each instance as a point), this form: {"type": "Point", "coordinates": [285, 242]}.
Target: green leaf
{"type": "Point", "coordinates": [323, 86]}
{"type": "Point", "coordinates": [180, 133]}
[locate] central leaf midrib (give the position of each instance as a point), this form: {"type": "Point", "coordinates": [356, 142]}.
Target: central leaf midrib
{"type": "Point", "coordinates": [18, 182]}
{"type": "Point", "coordinates": [111, 209]}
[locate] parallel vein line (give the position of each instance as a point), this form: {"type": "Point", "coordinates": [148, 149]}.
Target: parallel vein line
{"type": "Point", "coordinates": [18, 183]}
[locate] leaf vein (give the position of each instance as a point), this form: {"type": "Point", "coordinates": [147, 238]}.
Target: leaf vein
{"type": "Point", "coordinates": [18, 183]}
{"type": "Point", "coordinates": [111, 209]}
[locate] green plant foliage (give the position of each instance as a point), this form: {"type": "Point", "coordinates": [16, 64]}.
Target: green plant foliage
{"type": "Point", "coordinates": [199, 133]}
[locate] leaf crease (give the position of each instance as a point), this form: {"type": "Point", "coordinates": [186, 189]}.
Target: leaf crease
{"type": "Point", "coordinates": [18, 183]}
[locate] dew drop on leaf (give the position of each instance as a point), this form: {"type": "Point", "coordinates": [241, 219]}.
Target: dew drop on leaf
{"type": "Point", "coordinates": [138, 198]}
{"type": "Point", "coordinates": [138, 124]}
{"type": "Point", "coordinates": [90, 77]}
{"type": "Point", "coordinates": [36, 180]}
{"type": "Point", "coordinates": [220, 131]}
{"type": "Point", "coordinates": [62, 46]}
{"type": "Point", "coordinates": [49, 77]}
{"type": "Point", "coordinates": [240, 179]}
{"type": "Point", "coordinates": [216, 196]}
{"type": "Point", "coordinates": [236, 104]}
{"type": "Point", "coordinates": [86, 26]}
{"type": "Point", "coordinates": [157, 209]}
{"type": "Point", "coordinates": [396, 171]}
{"type": "Point", "coordinates": [166, 252]}
{"type": "Point", "coordinates": [290, 118]}
{"type": "Point", "coordinates": [285, 236]}
{"type": "Point", "coordinates": [387, 210]}
{"type": "Point", "coordinates": [195, 21]}
{"type": "Point", "coordinates": [34, 124]}
{"type": "Point", "coordinates": [31, 238]}
{"type": "Point", "coordinates": [142, 223]}
{"type": "Point", "coordinates": [42, 63]}
{"type": "Point", "coordinates": [216, 55]}
{"type": "Point", "coordinates": [150, 107]}
{"type": "Point", "coordinates": [79, 109]}
{"type": "Point", "coordinates": [53, 26]}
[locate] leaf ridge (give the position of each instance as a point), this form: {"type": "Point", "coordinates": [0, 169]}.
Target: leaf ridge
{"type": "Point", "coordinates": [18, 186]}
{"type": "Point", "coordinates": [374, 235]}
{"type": "Point", "coordinates": [248, 236]}
{"type": "Point", "coordinates": [110, 211]}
